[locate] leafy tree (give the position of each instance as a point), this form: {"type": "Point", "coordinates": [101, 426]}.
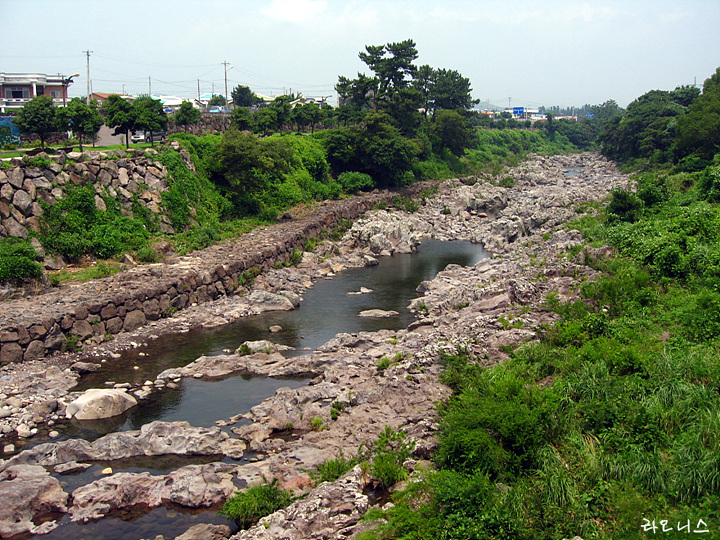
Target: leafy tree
{"type": "Point", "coordinates": [242, 163]}
{"type": "Point", "coordinates": [377, 149]}
{"type": "Point", "coordinates": [242, 96]}
{"type": "Point", "coordinates": [186, 115]}
{"type": "Point", "coordinates": [449, 90]}
{"type": "Point", "coordinates": [150, 115]}
{"type": "Point", "coordinates": [37, 116]}
{"type": "Point", "coordinates": [242, 119]}
{"type": "Point", "coordinates": [265, 120]}
{"type": "Point", "coordinates": [452, 131]}
{"type": "Point", "coordinates": [647, 129]}
{"type": "Point", "coordinates": [217, 101]}
{"type": "Point", "coordinates": [282, 105]}
{"type": "Point", "coordinates": [84, 120]}
{"type": "Point", "coordinates": [698, 132]}
{"type": "Point", "coordinates": [121, 115]}
{"type": "Point", "coordinates": [308, 114]}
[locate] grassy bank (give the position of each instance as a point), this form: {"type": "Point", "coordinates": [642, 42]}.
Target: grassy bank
{"type": "Point", "coordinates": [609, 423]}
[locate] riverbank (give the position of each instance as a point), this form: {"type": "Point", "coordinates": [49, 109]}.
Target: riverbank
{"type": "Point", "coordinates": [485, 309]}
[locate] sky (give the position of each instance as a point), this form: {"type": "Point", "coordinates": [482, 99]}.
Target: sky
{"type": "Point", "coordinates": [515, 52]}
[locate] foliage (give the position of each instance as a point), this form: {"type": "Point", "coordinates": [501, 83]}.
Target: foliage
{"type": "Point", "coordinates": [217, 100]}
{"type": "Point", "coordinates": [121, 115]}
{"type": "Point", "coordinates": [698, 132]}
{"type": "Point", "coordinates": [390, 452]}
{"type": "Point", "coordinates": [37, 116]}
{"type": "Point", "coordinates": [647, 129]}
{"type": "Point", "coordinates": [332, 469]}
{"type": "Point", "coordinates": [84, 120]}
{"type": "Point", "coordinates": [247, 507]}
{"type": "Point", "coordinates": [17, 260]}
{"type": "Point", "coordinates": [241, 119]}
{"type": "Point", "coordinates": [242, 96]}
{"type": "Point", "coordinates": [74, 226]}
{"type": "Point", "coordinates": [186, 115]}
{"type": "Point", "coordinates": [377, 149]}
{"type": "Point", "coordinates": [150, 115]}
{"type": "Point", "coordinates": [452, 131]}
{"type": "Point", "coordinates": [352, 182]}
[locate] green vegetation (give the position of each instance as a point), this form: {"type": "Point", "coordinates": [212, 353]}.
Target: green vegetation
{"type": "Point", "coordinates": [17, 260]}
{"type": "Point", "coordinates": [74, 226]}
{"type": "Point", "coordinates": [609, 421]}
{"type": "Point", "coordinates": [247, 507]}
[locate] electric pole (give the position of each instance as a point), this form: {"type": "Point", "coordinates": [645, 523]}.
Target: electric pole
{"type": "Point", "coordinates": [225, 63]}
{"type": "Point", "coordinates": [149, 86]}
{"type": "Point", "coordinates": [87, 98]}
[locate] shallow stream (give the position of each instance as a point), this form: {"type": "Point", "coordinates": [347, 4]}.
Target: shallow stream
{"type": "Point", "coordinates": [327, 309]}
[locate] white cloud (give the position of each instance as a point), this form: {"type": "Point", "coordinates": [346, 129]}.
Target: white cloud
{"type": "Point", "coordinates": [295, 11]}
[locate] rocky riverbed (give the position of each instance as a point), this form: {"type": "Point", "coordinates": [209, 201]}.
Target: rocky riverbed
{"type": "Point", "coordinates": [484, 309]}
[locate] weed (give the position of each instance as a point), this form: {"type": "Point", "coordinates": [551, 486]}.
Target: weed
{"type": "Point", "coordinates": [247, 507]}
{"type": "Point", "coordinates": [317, 423]}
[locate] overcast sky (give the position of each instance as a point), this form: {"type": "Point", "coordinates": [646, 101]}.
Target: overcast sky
{"type": "Point", "coordinates": [523, 53]}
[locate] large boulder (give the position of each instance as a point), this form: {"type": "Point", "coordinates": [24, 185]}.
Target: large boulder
{"type": "Point", "coordinates": [98, 403]}
{"type": "Point", "coordinates": [262, 301]}
{"type": "Point", "coordinates": [25, 492]}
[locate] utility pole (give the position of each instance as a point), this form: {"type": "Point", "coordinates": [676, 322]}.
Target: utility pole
{"type": "Point", "coordinates": [198, 91]}
{"type": "Point", "coordinates": [87, 98]}
{"type": "Point", "coordinates": [149, 86]}
{"type": "Point", "coordinates": [225, 63]}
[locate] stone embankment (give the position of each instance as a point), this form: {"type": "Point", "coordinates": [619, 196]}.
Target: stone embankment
{"type": "Point", "coordinates": [484, 309]}
{"type": "Point", "coordinates": [34, 327]}
{"type": "Point", "coordinates": [118, 174]}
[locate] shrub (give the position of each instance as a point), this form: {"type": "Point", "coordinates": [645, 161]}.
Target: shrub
{"type": "Point", "coordinates": [352, 182]}
{"type": "Point", "coordinates": [17, 260]}
{"type": "Point", "coordinates": [332, 469]}
{"type": "Point", "coordinates": [247, 507]}
{"type": "Point", "coordinates": [390, 451]}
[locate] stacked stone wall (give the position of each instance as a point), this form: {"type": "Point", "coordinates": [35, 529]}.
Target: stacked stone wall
{"type": "Point", "coordinates": [32, 328]}
{"type": "Point", "coordinates": [123, 176]}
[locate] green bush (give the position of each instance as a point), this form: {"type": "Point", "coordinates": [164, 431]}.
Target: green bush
{"type": "Point", "coordinates": [352, 182]}
{"type": "Point", "coordinates": [247, 507]}
{"type": "Point", "coordinates": [390, 452]}
{"type": "Point", "coordinates": [17, 260]}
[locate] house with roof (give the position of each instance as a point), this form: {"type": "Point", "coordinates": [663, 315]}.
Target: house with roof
{"type": "Point", "coordinates": [16, 89]}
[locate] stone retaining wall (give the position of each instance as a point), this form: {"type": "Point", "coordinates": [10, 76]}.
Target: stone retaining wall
{"type": "Point", "coordinates": [32, 328]}
{"type": "Point", "coordinates": [118, 174]}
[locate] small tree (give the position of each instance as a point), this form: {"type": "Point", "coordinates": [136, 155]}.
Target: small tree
{"type": "Point", "coordinates": [150, 115]}
{"type": "Point", "coordinates": [186, 115]}
{"type": "Point", "coordinates": [121, 115]}
{"type": "Point", "coordinates": [242, 119]}
{"type": "Point", "coordinates": [37, 116]}
{"type": "Point", "coordinates": [242, 96]}
{"type": "Point", "coordinates": [84, 120]}
{"type": "Point", "coordinates": [217, 100]}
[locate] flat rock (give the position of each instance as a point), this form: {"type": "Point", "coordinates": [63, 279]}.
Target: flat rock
{"type": "Point", "coordinates": [378, 313]}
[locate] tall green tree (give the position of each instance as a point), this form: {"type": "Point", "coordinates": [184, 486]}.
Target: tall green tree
{"type": "Point", "coordinates": [450, 90]}
{"type": "Point", "coordinates": [452, 131]}
{"type": "Point", "coordinates": [83, 119]}
{"type": "Point", "coordinates": [186, 115]}
{"type": "Point", "coordinates": [307, 114]}
{"type": "Point", "coordinates": [121, 115]}
{"type": "Point", "coordinates": [242, 96]}
{"type": "Point", "coordinates": [150, 115]}
{"type": "Point", "coordinates": [37, 117]}
{"type": "Point", "coordinates": [242, 119]}
{"type": "Point", "coordinates": [698, 132]}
